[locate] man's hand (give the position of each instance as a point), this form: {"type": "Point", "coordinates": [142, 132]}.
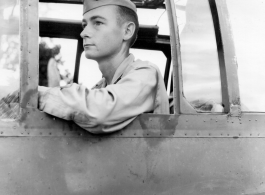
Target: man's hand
{"type": "Point", "coordinates": [41, 92]}
{"type": "Point", "coordinates": [202, 105]}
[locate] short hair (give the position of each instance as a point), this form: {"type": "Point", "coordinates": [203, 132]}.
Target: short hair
{"type": "Point", "coordinates": [125, 14]}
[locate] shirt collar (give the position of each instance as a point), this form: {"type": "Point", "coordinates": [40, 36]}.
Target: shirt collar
{"type": "Point", "coordinates": [120, 70]}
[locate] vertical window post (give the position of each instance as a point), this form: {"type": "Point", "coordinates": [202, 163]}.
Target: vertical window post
{"type": "Point", "coordinates": [180, 104]}
{"type": "Point", "coordinates": [29, 53]}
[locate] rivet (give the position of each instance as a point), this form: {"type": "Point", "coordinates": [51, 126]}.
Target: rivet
{"type": "Point", "coordinates": [203, 121]}
{"type": "Point", "coordinates": [227, 134]}
{"type": "Point", "coordinates": [250, 134]}
{"type": "Point", "coordinates": [186, 134]}
{"type": "Point", "coordinates": [216, 121]}
{"type": "Point", "coordinates": [40, 133]}
{"type": "Point", "coordinates": [50, 133]}
{"type": "Point", "coordinates": [168, 119]}
{"type": "Point", "coordinates": [1, 132]}
{"type": "Point", "coordinates": [209, 134]}
{"type": "Point", "coordinates": [198, 134]}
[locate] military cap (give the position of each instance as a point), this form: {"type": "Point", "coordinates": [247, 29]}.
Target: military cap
{"type": "Point", "coordinates": [92, 4]}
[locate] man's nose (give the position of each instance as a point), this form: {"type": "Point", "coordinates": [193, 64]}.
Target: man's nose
{"type": "Point", "coordinates": [82, 34]}
{"type": "Point", "coordinates": [85, 32]}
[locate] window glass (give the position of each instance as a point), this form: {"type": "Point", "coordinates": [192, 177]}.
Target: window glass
{"type": "Point", "coordinates": [247, 21]}
{"type": "Point", "coordinates": [9, 59]}
{"type": "Point", "coordinates": [200, 65]}
{"type": "Point", "coordinates": [56, 61]}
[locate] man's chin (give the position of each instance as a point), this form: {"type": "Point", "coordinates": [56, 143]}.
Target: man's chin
{"type": "Point", "coordinates": [90, 56]}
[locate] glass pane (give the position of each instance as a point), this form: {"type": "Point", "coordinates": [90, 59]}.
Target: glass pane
{"type": "Point", "coordinates": [247, 21]}
{"type": "Point", "coordinates": [9, 59]}
{"type": "Point", "coordinates": [56, 61]}
{"type": "Point", "coordinates": [200, 65]}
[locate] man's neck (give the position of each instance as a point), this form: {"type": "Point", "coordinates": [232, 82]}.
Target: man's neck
{"type": "Point", "coordinates": [108, 67]}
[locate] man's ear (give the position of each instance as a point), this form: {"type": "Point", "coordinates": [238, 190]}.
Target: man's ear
{"type": "Point", "coordinates": [129, 30]}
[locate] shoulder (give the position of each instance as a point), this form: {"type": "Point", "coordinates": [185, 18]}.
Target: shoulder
{"type": "Point", "coordinates": [141, 72]}
{"type": "Point", "coordinates": [139, 66]}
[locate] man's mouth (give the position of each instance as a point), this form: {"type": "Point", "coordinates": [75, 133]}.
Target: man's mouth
{"type": "Point", "coordinates": [88, 45]}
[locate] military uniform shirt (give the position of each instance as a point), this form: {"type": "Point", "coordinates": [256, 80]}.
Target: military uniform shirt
{"type": "Point", "coordinates": [137, 87]}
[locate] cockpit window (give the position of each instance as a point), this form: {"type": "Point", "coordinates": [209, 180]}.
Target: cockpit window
{"type": "Point", "coordinates": [247, 23]}
{"type": "Point", "coordinates": [9, 59]}
{"type": "Point", "coordinates": [200, 64]}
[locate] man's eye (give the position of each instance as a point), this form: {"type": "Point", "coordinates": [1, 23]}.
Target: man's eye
{"type": "Point", "coordinates": [83, 26]}
{"type": "Point", "coordinates": [97, 23]}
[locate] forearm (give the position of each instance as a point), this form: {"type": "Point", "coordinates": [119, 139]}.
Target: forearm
{"type": "Point", "coordinates": [112, 107]}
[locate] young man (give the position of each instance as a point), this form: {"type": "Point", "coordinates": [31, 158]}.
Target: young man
{"type": "Point", "coordinates": [128, 87]}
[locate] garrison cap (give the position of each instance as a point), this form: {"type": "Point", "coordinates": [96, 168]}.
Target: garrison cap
{"type": "Point", "coordinates": [92, 4]}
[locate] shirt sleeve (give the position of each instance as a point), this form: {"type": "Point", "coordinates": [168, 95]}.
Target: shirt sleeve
{"type": "Point", "coordinates": [110, 108]}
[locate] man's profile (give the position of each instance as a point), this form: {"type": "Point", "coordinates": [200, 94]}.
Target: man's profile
{"type": "Point", "coordinates": [128, 88]}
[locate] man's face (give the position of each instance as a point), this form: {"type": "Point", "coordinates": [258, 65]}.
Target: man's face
{"type": "Point", "coordinates": [102, 35]}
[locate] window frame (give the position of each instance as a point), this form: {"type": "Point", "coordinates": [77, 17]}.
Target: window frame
{"type": "Point", "coordinates": [227, 63]}
{"type": "Point", "coordinates": [226, 56]}
{"type": "Point", "coordinates": [29, 53]}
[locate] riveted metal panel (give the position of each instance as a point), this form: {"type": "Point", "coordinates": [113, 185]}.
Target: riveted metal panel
{"type": "Point", "coordinates": [36, 123]}
{"type": "Point", "coordinates": [171, 166]}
